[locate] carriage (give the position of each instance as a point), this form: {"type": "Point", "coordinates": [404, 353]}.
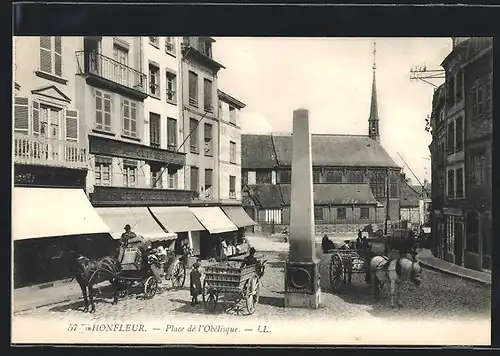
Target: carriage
{"type": "Point", "coordinates": [236, 285]}
{"type": "Point", "coordinates": [136, 267]}
{"type": "Point", "coordinates": [343, 264]}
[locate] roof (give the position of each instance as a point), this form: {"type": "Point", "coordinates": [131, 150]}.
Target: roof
{"type": "Point", "coordinates": [410, 194]}
{"type": "Point", "coordinates": [335, 151]}
{"type": "Point", "coordinates": [230, 100]}
{"type": "Point", "coordinates": [257, 151]}
{"type": "Point", "coordinates": [267, 195]}
{"type": "Point", "coordinates": [336, 194]}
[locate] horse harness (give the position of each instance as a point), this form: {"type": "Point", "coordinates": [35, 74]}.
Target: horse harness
{"type": "Point", "coordinates": [384, 265]}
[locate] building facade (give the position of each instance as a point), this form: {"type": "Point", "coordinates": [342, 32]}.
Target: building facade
{"type": "Point", "coordinates": [415, 202]}
{"type": "Point", "coordinates": [461, 148]}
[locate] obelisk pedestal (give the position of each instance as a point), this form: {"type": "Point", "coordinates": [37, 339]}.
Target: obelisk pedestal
{"type": "Point", "coordinates": [302, 279]}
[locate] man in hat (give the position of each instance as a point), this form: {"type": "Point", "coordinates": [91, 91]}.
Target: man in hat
{"type": "Point", "coordinates": [127, 235]}
{"type": "Point", "coordinates": [250, 259]}
{"type": "Point", "coordinates": [195, 283]}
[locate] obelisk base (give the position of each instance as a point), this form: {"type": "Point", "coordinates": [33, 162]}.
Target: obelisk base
{"type": "Point", "coordinates": [302, 284]}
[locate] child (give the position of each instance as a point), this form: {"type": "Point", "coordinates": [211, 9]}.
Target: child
{"type": "Point", "coordinates": [195, 283]}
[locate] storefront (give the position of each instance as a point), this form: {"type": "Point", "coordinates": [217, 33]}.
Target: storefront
{"type": "Point", "coordinates": [454, 236]}
{"type": "Point", "coordinates": [218, 228]}
{"type": "Point", "coordinates": [50, 226]}
{"type": "Point", "coordinates": [477, 253]}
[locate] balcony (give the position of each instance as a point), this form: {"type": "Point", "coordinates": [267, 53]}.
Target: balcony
{"type": "Point", "coordinates": [109, 74]}
{"type": "Point", "coordinates": [36, 150]}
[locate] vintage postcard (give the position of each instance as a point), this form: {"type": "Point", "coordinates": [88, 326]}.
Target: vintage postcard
{"type": "Point", "coordinates": [252, 190]}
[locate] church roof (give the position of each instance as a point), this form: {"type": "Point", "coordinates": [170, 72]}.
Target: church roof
{"type": "Point", "coordinates": [334, 151]}
{"type": "Point", "coordinates": [267, 196]}
{"type": "Point", "coordinates": [335, 194]}
{"type": "Point", "coordinates": [257, 151]}
{"type": "Point", "coordinates": [374, 104]}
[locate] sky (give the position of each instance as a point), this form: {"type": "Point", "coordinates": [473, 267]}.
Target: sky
{"type": "Point", "coordinates": [332, 78]}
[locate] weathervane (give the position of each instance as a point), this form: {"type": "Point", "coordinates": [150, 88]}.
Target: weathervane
{"type": "Point", "coordinates": [374, 54]}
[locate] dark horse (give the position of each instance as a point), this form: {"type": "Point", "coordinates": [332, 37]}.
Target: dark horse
{"type": "Point", "coordinates": [90, 272]}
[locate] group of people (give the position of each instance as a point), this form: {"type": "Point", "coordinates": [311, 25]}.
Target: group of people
{"type": "Point", "coordinates": [361, 244]}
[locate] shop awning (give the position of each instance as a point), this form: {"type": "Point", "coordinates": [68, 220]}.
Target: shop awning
{"type": "Point", "coordinates": [238, 216]}
{"type": "Point", "coordinates": [50, 212]}
{"type": "Point", "coordinates": [214, 219]}
{"type": "Point", "coordinates": [177, 218]}
{"type": "Point", "coordinates": [139, 218]}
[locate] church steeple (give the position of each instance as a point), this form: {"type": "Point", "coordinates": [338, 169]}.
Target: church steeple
{"type": "Point", "coordinates": [373, 120]}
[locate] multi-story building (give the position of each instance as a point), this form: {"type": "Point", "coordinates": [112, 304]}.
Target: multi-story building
{"type": "Point", "coordinates": [356, 182]}
{"type": "Point", "coordinates": [461, 148]}
{"type": "Point", "coordinates": [51, 213]}
{"type": "Point", "coordinates": [414, 202]}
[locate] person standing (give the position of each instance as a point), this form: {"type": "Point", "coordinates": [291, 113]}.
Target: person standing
{"type": "Point", "coordinates": [195, 283]}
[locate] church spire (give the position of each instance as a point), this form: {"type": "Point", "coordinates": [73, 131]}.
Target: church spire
{"type": "Point", "coordinates": [373, 120]}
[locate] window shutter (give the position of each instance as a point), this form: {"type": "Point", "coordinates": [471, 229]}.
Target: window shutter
{"type": "Point", "coordinates": [21, 115]}
{"type": "Point", "coordinates": [36, 117]}
{"type": "Point", "coordinates": [72, 125]}
{"type": "Point", "coordinates": [58, 56]}
{"type": "Point", "coordinates": [133, 119]}
{"type": "Point", "coordinates": [45, 54]}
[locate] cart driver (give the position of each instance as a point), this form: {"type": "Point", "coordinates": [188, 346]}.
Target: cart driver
{"type": "Point", "coordinates": [127, 235]}
{"type": "Point", "coordinates": [250, 259]}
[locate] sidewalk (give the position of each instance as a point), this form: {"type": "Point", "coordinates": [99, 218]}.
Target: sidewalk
{"type": "Point", "coordinates": [428, 260]}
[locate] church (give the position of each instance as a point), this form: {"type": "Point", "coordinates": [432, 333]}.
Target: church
{"type": "Point", "coordinates": [356, 182]}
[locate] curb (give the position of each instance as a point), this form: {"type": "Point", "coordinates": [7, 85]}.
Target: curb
{"type": "Point", "coordinates": [469, 278]}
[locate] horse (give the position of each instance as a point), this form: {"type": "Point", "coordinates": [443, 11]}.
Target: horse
{"type": "Point", "coordinates": [89, 272]}
{"type": "Point", "coordinates": [395, 271]}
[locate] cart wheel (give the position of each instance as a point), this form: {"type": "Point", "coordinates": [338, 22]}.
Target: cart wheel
{"type": "Point", "coordinates": [150, 287]}
{"type": "Point", "coordinates": [210, 297]}
{"type": "Point", "coordinates": [337, 272]}
{"type": "Point", "coordinates": [252, 294]}
{"type": "Point", "coordinates": [178, 276]}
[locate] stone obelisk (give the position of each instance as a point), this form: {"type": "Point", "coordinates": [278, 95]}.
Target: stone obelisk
{"type": "Point", "coordinates": [302, 287]}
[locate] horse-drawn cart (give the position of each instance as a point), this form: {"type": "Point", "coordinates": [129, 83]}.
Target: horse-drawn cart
{"type": "Point", "coordinates": [343, 265]}
{"type": "Point", "coordinates": [235, 284]}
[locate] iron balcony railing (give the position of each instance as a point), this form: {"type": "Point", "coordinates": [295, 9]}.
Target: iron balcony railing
{"type": "Point", "coordinates": [109, 69]}
{"type": "Point", "coordinates": [43, 151]}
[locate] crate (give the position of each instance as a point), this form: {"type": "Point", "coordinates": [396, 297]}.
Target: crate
{"type": "Point", "coordinates": [229, 277]}
{"type": "Point", "coordinates": [131, 259]}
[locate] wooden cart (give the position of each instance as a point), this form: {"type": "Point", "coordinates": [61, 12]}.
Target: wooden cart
{"type": "Point", "coordinates": [343, 265]}
{"type": "Point", "coordinates": [227, 280]}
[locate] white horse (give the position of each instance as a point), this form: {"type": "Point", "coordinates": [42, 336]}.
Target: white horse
{"type": "Point", "coordinates": [396, 271]}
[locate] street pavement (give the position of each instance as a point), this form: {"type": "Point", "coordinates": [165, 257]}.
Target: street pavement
{"type": "Point", "coordinates": [440, 296]}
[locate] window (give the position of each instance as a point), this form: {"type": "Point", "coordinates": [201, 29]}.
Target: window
{"type": "Point", "coordinates": [251, 177]}
{"type": "Point", "coordinates": [208, 140]}
{"type": "Point", "coordinates": [481, 99]}
{"type": "Point", "coordinates": [51, 55]}
{"type": "Point", "coordinates": [130, 173]}
{"type": "Point", "coordinates": [341, 213]}
{"type": "Point", "coordinates": [102, 111]}
{"type": "Point", "coordinates": [120, 55]}
{"type": "Point", "coordinates": [172, 180]}
{"type": "Point", "coordinates": [270, 216]}
{"type": "Point", "coordinates": [155, 41]}
{"type": "Point", "coordinates": [156, 176]}
{"type": "Point", "coordinates": [451, 138]}
{"type": "Point", "coordinates": [193, 88]}
{"type": "Point", "coordinates": [193, 138]}
{"type": "Point", "coordinates": [355, 176]}
{"type": "Point", "coordinates": [459, 86]}
{"type": "Point", "coordinates": [364, 213]}
{"type": "Point", "coordinates": [472, 231]}
{"type": "Point", "coordinates": [232, 186]}
{"type": "Point", "coordinates": [129, 118]}
{"type": "Point", "coordinates": [232, 115]}
{"type": "Point", "coordinates": [207, 95]}
{"type": "Point", "coordinates": [263, 177]}
{"type": "Point", "coordinates": [316, 176]}
{"type": "Point", "coordinates": [450, 90]}
{"type": "Point", "coordinates": [154, 80]}
{"type": "Point", "coordinates": [232, 153]}
{"type": "Point", "coordinates": [205, 47]}
{"type": "Point", "coordinates": [102, 170]}
{"type": "Point", "coordinates": [170, 45]}
{"type": "Point", "coordinates": [208, 183]}
{"type": "Point", "coordinates": [459, 190]}
{"type": "Point", "coordinates": [333, 176]}
{"type": "Point", "coordinates": [171, 134]}
{"type": "Point", "coordinates": [378, 184]}
{"type": "Point", "coordinates": [459, 134]}
{"type": "Point", "coordinates": [50, 122]}
{"type": "Point", "coordinates": [318, 214]}
{"type": "Point", "coordinates": [194, 178]}
{"type": "Point", "coordinates": [478, 169]}
{"type": "Point", "coordinates": [154, 130]}
{"type": "Point", "coordinates": [285, 176]}
{"type": "Point", "coordinates": [171, 87]}
{"type": "Point", "coordinates": [451, 183]}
